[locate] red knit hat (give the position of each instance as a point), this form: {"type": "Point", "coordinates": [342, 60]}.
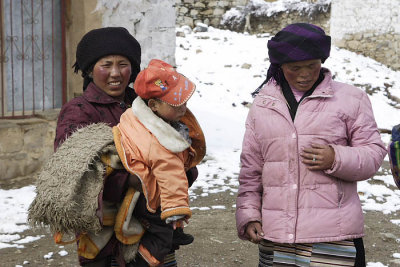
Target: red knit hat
{"type": "Point", "coordinates": [160, 80]}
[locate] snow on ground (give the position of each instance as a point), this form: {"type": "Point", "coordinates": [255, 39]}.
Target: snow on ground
{"type": "Point", "coordinates": [13, 207]}
{"type": "Point", "coordinates": [227, 67]}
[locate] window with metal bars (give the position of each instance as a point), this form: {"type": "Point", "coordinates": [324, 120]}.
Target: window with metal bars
{"type": "Point", "coordinates": [31, 57]}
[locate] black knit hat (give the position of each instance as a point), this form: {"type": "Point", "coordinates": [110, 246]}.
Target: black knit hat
{"type": "Point", "coordinates": [106, 41]}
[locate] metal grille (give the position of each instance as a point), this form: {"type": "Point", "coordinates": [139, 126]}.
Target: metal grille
{"type": "Point", "coordinates": [31, 56]}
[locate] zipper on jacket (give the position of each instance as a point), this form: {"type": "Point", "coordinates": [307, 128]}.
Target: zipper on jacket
{"type": "Point", "coordinates": [296, 161]}
{"type": "Point", "coordinates": [298, 182]}
{"type": "Point", "coordinates": [298, 167]}
{"type": "Point", "coordinates": [340, 193]}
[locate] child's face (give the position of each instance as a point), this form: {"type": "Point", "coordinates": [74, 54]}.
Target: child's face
{"type": "Point", "coordinates": [167, 112]}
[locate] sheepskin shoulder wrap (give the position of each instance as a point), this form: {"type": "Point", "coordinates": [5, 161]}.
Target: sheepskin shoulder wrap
{"type": "Point", "coordinates": [69, 184]}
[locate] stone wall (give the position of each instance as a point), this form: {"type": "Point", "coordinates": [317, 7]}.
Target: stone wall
{"type": "Point", "coordinates": [383, 47]}
{"type": "Point", "coordinates": [210, 12]}
{"type": "Point", "coordinates": [368, 27]}
{"type": "Point", "coordinates": [25, 145]}
{"type": "Point", "coordinates": [267, 16]}
{"type": "Point", "coordinates": [270, 17]}
{"type": "Point", "coordinates": [278, 21]}
{"type": "Point", "coordinates": [274, 23]}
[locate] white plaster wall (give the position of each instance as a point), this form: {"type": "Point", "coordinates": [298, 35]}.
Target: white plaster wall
{"type": "Point", "coordinates": [357, 16]}
{"type": "Point", "coordinates": [151, 22]}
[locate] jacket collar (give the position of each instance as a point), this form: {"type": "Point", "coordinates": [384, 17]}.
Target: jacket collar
{"type": "Point", "coordinates": [96, 95]}
{"type": "Point", "coordinates": [165, 133]}
{"type": "Point", "coordinates": [324, 89]}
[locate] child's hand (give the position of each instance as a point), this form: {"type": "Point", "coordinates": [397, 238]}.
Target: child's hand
{"type": "Point", "coordinates": [179, 223]}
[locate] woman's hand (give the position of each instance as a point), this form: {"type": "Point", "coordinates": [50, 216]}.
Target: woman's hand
{"type": "Point", "coordinates": [254, 232]}
{"type": "Point", "coordinates": [318, 157]}
{"type": "Point", "coordinates": [134, 182]}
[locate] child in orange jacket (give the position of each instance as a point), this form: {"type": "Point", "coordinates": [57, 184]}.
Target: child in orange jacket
{"type": "Point", "coordinates": [158, 140]}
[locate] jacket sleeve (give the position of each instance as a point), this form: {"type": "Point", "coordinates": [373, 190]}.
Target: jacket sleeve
{"type": "Point", "coordinates": [249, 199]}
{"type": "Point", "coordinates": [77, 114]}
{"type": "Point", "coordinates": [168, 169]}
{"type": "Point", "coordinates": [365, 151]}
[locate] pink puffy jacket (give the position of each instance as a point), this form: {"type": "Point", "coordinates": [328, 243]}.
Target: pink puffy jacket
{"type": "Point", "coordinates": [294, 204]}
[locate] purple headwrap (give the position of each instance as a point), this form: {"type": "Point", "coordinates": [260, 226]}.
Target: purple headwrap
{"type": "Point", "coordinates": [296, 42]}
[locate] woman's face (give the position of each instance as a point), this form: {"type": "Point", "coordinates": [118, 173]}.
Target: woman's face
{"type": "Point", "coordinates": [111, 74]}
{"type": "Point", "coordinates": [302, 75]}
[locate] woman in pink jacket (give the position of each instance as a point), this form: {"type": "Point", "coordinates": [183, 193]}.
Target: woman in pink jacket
{"type": "Point", "coordinates": [308, 141]}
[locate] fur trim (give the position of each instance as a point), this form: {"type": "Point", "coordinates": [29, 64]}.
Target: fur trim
{"type": "Point", "coordinates": [70, 182]}
{"type": "Point", "coordinates": [176, 211]}
{"type": "Point", "coordinates": [165, 133]}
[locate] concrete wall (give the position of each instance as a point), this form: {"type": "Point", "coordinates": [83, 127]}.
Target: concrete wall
{"type": "Point", "coordinates": [368, 27]}
{"type": "Point", "coordinates": [151, 22]}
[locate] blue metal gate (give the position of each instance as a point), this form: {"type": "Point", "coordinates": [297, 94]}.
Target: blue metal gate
{"type": "Point", "coordinates": [31, 56]}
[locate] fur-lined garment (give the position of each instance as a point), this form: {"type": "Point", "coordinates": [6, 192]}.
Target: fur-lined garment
{"type": "Point", "coordinates": [68, 190]}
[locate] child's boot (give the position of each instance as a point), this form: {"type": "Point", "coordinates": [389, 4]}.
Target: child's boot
{"type": "Point", "coordinates": [180, 238]}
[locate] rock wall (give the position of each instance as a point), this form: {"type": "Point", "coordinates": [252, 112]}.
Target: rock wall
{"type": "Point", "coordinates": [261, 16]}
{"type": "Point", "coordinates": [210, 12]}
{"type": "Point", "coordinates": [25, 145]}
{"type": "Point", "coordinates": [368, 27]}
{"type": "Point", "coordinates": [253, 16]}
{"type": "Point", "coordinates": [278, 21]}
